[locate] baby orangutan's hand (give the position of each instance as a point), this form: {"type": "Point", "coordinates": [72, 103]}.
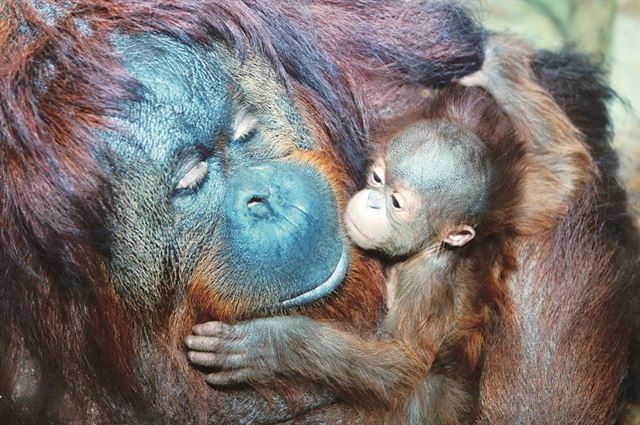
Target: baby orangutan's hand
{"type": "Point", "coordinates": [506, 60]}
{"type": "Point", "coordinates": [241, 353]}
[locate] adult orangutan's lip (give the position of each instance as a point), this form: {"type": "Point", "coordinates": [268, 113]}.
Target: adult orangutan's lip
{"type": "Point", "coordinates": [325, 288]}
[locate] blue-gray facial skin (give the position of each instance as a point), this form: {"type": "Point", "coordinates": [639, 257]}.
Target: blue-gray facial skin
{"type": "Point", "coordinates": [203, 187]}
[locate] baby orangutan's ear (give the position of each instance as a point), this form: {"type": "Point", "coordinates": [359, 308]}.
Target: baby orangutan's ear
{"type": "Point", "coordinates": [460, 235]}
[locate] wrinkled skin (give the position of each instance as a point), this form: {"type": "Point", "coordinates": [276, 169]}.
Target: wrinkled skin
{"type": "Point", "coordinates": [265, 216]}
{"type": "Point", "coordinates": [246, 352]}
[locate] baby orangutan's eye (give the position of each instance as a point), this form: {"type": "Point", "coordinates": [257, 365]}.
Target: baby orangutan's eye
{"type": "Point", "coordinates": [397, 201]}
{"type": "Point", "coordinates": [375, 179]}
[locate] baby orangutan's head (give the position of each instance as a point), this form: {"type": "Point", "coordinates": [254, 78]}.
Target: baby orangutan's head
{"type": "Point", "coordinates": [430, 186]}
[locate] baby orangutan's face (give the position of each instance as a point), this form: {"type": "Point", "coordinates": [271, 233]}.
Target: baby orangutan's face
{"type": "Point", "coordinates": [380, 216]}
{"type": "Point", "coordinates": [420, 193]}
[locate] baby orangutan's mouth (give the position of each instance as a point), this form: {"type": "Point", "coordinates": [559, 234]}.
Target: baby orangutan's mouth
{"type": "Point", "coordinates": [356, 235]}
{"type": "Point", "coordinates": [351, 226]}
{"type": "Point", "coordinates": [323, 289]}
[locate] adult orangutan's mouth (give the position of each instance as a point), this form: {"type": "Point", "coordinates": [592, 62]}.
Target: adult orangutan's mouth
{"type": "Point", "coordinates": [323, 289]}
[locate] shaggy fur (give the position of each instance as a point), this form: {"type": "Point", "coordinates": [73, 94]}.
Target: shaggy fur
{"type": "Point", "coordinates": [69, 334]}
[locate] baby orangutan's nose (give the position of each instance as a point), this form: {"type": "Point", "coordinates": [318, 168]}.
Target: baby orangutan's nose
{"type": "Point", "coordinates": [375, 200]}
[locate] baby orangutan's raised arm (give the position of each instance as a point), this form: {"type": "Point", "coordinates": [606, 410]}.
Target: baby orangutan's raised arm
{"type": "Point", "coordinates": [559, 162]}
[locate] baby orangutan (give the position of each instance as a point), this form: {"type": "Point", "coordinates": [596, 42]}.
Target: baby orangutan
{"type": "Point", "coordinates": [443, 203]}
{"type": "Point", "coordinates": [424, 199]}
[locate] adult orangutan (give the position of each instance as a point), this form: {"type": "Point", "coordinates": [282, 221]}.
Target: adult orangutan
{"type": "Point", "coordinates": [167, 163]}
